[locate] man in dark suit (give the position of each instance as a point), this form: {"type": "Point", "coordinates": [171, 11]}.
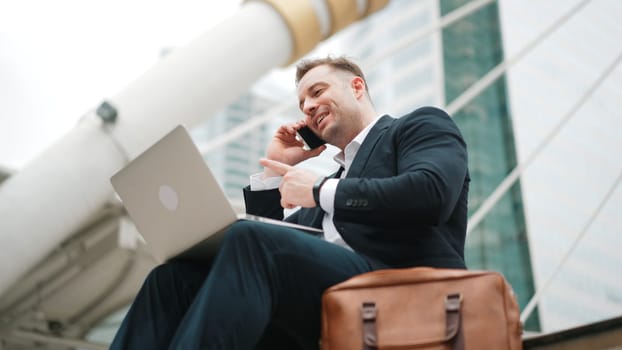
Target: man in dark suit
{"type": "Point", "coordinates": [399, 200]}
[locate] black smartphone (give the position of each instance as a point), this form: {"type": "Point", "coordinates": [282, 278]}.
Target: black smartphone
{"type": "Point", "coordinates": [309, 138]}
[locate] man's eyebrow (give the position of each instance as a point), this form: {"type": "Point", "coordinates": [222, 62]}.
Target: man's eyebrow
{"type": "Point", "coordinates": [315, 84]}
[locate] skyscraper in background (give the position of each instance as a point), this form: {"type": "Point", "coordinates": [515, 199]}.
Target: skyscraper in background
{"type": "Point", "coordinates": [233, 162]}
{"type": "Point", "coordinates": [571, 187]}
{"type": "Point", "coordinates": [472, 47]}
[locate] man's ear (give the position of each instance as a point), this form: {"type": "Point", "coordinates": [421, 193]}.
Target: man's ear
{"type": "Point", "coordinates": [358, 86]}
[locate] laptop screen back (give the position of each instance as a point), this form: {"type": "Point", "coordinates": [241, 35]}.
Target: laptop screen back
{"type": "Point", "coordinates": [171, 195]}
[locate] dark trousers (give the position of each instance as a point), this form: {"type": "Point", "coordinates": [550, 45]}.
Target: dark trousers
{"type": "Point", "coordinates": [262, 291]}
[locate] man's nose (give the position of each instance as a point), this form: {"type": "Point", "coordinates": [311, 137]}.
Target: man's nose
{"type": "Point", "coordinates": [309, 108]}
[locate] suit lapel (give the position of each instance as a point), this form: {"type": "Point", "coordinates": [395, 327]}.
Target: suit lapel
{"type": "Point", "coordinates": [363, 154]}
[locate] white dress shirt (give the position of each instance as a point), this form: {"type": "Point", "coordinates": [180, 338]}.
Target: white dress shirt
{"type": "Point", "coordinates": [327, 193]}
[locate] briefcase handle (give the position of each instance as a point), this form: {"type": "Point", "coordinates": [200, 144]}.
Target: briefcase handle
{"type": "Point", "coordinates": [453, 329]}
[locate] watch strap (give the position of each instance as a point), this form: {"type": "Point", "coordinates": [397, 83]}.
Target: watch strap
{"type": "Point", "coordinates": [316, 189]}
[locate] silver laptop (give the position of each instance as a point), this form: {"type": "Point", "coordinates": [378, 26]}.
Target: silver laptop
{"type": "Point", "coordinates": [175, 202]}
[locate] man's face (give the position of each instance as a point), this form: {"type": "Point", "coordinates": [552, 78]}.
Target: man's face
{"type": "Point", "coordinates": [329, 100]}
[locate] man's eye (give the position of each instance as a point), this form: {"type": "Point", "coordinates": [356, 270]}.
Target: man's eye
{"type": "Point", "coordinates": [317, 92]}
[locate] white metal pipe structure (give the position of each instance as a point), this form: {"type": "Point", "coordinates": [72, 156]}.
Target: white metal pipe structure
{"type": "Point", "coordinates": [56, 193]}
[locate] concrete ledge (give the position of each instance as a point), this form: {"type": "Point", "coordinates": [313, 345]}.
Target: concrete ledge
{"type": "Point", "coordinates": [601, 335]}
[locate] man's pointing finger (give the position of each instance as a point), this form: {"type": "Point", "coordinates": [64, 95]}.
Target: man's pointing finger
{"type": "Point", "coordinates": [278, 167]}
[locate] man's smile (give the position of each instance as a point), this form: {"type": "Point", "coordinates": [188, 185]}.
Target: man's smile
{"type": "Point", "coordinates": [320, 115]}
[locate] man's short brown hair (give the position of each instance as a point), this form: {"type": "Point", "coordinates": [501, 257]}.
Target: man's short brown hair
{"type": "Point", "coordinates": [340, 63]}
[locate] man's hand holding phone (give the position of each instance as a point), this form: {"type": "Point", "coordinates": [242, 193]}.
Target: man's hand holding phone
{"type": "Point", "coordinates": [309, 138]}
{"type": "Point", "coordinates": [287, 148]}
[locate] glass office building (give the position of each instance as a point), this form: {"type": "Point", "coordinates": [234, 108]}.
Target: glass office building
{"type": "Point", "coordinates": [232, 163]}
{"type": "Point", "coordinates": [471, 48]}
{"type": "Point", "coordinates": [565, 97]}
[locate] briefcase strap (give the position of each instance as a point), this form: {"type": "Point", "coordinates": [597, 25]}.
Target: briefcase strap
{"type": "Point", "coordinates": [453, 321]}
{"type": "Point", "coordinates": [453, 327]}
{"type": "Point", "coordinates": [368, 313]}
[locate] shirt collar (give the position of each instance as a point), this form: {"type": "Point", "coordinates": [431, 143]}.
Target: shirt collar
{"type": "Point", "coordinates": [354, 145]}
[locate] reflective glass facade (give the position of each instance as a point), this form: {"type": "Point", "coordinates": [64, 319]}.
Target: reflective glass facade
{"type": "Point", "coordinates": [472, 47]}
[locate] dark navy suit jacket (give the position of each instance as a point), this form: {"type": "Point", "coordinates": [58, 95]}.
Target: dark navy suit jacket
{"type": "Point", "coordinates": [404, 199]}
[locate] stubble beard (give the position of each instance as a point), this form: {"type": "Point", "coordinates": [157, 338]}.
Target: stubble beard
{"type": "Point", "coordinates": [337, 133]}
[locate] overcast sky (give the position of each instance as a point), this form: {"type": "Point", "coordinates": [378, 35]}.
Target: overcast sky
{"type": "Point", "coordinates": [59, 59]}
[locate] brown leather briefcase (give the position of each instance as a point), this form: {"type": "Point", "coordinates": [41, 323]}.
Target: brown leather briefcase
{"type": "Point", "coordinates": [421, 308]}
